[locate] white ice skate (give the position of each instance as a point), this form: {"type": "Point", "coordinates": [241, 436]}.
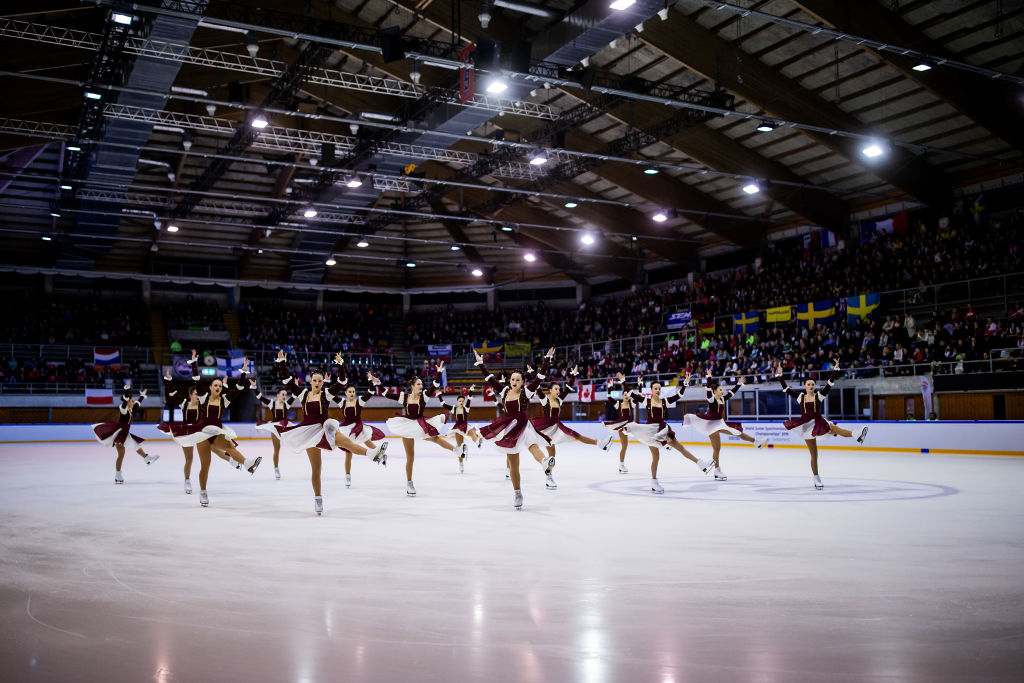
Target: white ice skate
{"type": "Point", "coordinates": [817, 483]}
{"type": "Point", "coordinates": [622, 468]}
{"type": "Point", "coordinates": [188, 486]}
{"type": "Point", "coordinates": [118, 477]}
{"type": "Point", "coordinates": [549, 483]}
{"type": "Point", "coordinates": [277, 473]}
{"type": "Point", "coordinates": [380, 456]}
{"type": "Point", "coordinates": [234, 463]}
{"type": "Point", "coordinates": [517, 499]}
{"type": "Point", "coordinates": [251, 465]}
{"type": "Point", "coordinates": [479, 442]}
{"type": "Point", "coordinates": [204, 499]}
{"type": "Point", "coordinates": [318, 505]}
{"type": "Point", "coordinates": [462, 451]}
{"type": "Point", "coordinates": [462, 467]}
{"type": "Point", "coordinates": [706, 465]}
{"type": "Point", "coordinates": [508, 472]}
{"type": "Point", "coordinates": [863, 435]}
{"type": "Point", "coordinates": [656, 487]}
{"type": "Point", "coordinates": [152, 458]}
{"type": "Point", "coordinates": [760, 441]}
{"type": "Point", "coordinates": [410, 490]}
{"type": "Point", "coordinates": [348, 481]}
{"type": "Point", "coordinates": [606, 444]}
{"type": "Point", "coordinates": [548, 463]}
{"type": "Point", "coordinates": [720, 475]}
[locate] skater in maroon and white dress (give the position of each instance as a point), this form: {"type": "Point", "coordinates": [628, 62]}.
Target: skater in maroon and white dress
{"type": "Point", "coordinates": [459, 411]}
{"type": "Point", "coordinates": [276, 408]}
{"type": "Point", "coordinates": [712, 424]}
{"type": "Point", "coordinates": [187, 399]}
{"type": "Point", "coordinates": [656, 433]}
{"type": "Point", "coordinates": [812, 422]}
{"type": "Point", "coordinates": [549, 422]}
{"type": "Point", "coordinates": [209, 434]}
{"type": "Point", "coordinates": [514, 433]}
{"type": "Point", "coordinates": [317, 432]}
{"type": "Point", "coordinates": [412, 424]}
{"type": "Point", "coordinates": [351, 404]}
{"type": "Point", "coordinates": [624, 408]}
{"type": "Point", "coordinates": [118, 434]}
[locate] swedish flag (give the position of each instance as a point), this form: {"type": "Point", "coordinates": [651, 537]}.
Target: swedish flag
{"type": "Point", "coordinates": [815, 313]}
{"type": "Point", "coordinates": [860, 307]}
{"type": "Point", "coordinates": [743, 323]}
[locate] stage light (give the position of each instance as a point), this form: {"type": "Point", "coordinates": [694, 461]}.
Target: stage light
{"type": "Point", "coordinates": [330, 261]}
{"type": "Point", "coordinates": [538, 159]}
{"type": "Point", "coordinates": [172, 228]}
{"type": "Point", "coordinates": [477, 272]}
{"type": "Point", "coordinates": [651, 170]}
{"type": "Point", "coordinates": [587, 238]}
{"type": "Point", "coordinates": [622, 4]}
{"type": "Point", "coordinates": [309, 213]}
{"type": "Point", "coordinates": [410, 264]}
{"type": "Point", "coordinates": [659, 217]}
{"type": "Point", "coordinates": [923, 66]}
{"type": "Point", "coordinates": [765, 127]}
{"type": "Point", "coordinates": [455, 247]}
{"type": "Point", "coordinates": [506, 228]}
{"type": "Point", "coordinates": [873, 150]}
{"type": "Point", "coordinates": [751, 188]}
{"type": "Point", "coordinates": [74, 148]}
{"type": "Point", "coordinates": [529, 257]}
{"type": "Point", "coordinates": [89, 95]}
{"type": "Point", "coordinates": [571, 205]}
{"type": "Point", "coordinates": [260, 122]}
{"type": "Point", "coordinates": [362, 244]}
{"type": "Point", "coordinates": [47, 238]}
{"type": "Point", "coordinates": [121, 18]}
{"type": "Point", "coordinates": [497, 85]}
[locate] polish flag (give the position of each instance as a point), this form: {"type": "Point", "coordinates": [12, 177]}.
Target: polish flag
{"type": "Point", "coordinates": [586, 393]}
{"type": "Point", "coordinates": [99, 397]}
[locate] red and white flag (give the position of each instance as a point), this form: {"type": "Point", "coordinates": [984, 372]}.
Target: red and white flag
{"type": "Point", "coordinates": [99, 397]}
{"type": "Point", "coordinates": [488, 394]}
{"type": "Point", "coordinates": [586, 392]}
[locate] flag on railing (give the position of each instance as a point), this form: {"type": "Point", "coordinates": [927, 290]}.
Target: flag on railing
{"type": "Point", "coordinates": [706, 327]}
{"type": "Point", "coordinates": [232, 365]}
{"type": "Point", "coordinates": [488, 394]}
{"type": "Point", "coordinates": [586, 392]}
{"type": "Point", "coordinates": [978, 210]}
{"type": "Point", "coordinates": [779, 314]}
{"type": "Point", "coordinates": [743, 323]}
{"type": "Point", "coordinates": [518, 348]}
{"type": "Point", "coordinates": [899, 224]}
{"type": "Point", "coordinates": [815, 313]}
{"type": "Point", "coordinates": [106, 357]}
{"type": "Point", "coordinates": [860, 307]}
{"type": "Point", "coordinates": [99, 397]}
{"type": "Point", "coordinates": [484, 348]}
{"type": "Point", "coordinates": [441, 351]}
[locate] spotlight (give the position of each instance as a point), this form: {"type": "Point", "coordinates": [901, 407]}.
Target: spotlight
{"type": "Point", "coordinates": [477, 272]}
{"type": "Point", "coordinates": [186, 140]}
{"type": "Point", "coordinates": [660, 217]}
{"type": "Point", "coordinates": [354, 127]}
{"type": "Point", "coordinates": [923, 66]}
{"type": "Point", "coordinates": [172, 228]}
{"type": "Point", "coordinates": [121, 18]}
{"type": "Point", "coordinates": [571, 205]}
{"type": "Point", "coordinates": [47, 238]}
{"type": "Point", "coordinates": [497, 85]}
{"type": "Point", "coordinates": [622, 4]}
{"type": "Point", "coordinates": [765, 126]}
{"type": "Point", "coordinates": [74, 148]}
{"type": "Point", "coordinates": [506, 228]}
{"type": "Point", "coordinates": [751, 188]}
{"type": "Point", "coordinates": [65, 187]}
{"type": "Point", "coordinates": [354, 181]}
{"type": "Point", "coordinates": [252, 44]}
{"type": "Point", "coordinates": [663, 14]}
{"type": "Point", "coordinates": [362, 244]}
{"type": "Point", "coordinates": [259, 251]}
{"type": "Point", "coordinates": [330, 261]}
{"type": "Point", "coordinates": [485, 18]}
{"type": "Point", "coordinates": [309, 213]}
{"type": "Point", "coordinates": [260, 122]}
{"type": "Point", "coordinates": [55, 214]}
{"type": "Point", "coordinates": [587, 238]}
{"type": "Point", "coordinates": [651, 170]}
{"type": "Point", "coordinates": [211, 109]}
{"type": "Point", "coordinates": [89, 95]}
{"type": "Point", "coordinates": [585, 62]}
{"type": "Point", "coordinates": [410, 264]}
{"type": "Point", "coordinates": [873, 150]}
{"type": "Point", "coordinates": [414, 72]}
{"type": "Point", "coordinates": [455, 247]}
{"type": "Point", "coordinates": [538, 159]}
{"type": "Point", "coordinates": [529, 257]}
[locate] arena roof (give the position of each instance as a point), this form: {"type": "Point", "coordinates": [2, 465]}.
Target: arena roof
{"type": "Point", "coordinates": [756, 116]}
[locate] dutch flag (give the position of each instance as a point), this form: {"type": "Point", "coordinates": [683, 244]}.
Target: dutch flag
{"type": "Point", "coordinates": [106, 357]}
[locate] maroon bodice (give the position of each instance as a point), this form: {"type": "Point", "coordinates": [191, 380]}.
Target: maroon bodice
{"type": "Point", "coordinates": [655, 414]}
{"type": "Point", "coordinates": [516, 407]}
{"type": "Point", "coordinates": [125, 418]}
{"type": "Point", "coordinates": [350, 414]}
{"type": "Point", "coordinates": [460, 418]}
{"type": "Point", "coordinates": [551, 410]}
{"type": "Point", "coordinates": [190, 414]}
{"type": "Point", "coordinates": [414, 409]}
{"type": "Point", "coordinates": [716, 410]}
{"type": "Point", "coordinates": [806, 406]}
{"type": "Point", "coordinates": [212, 411]}
{"type": "Point", "coordinates": [315, 410]}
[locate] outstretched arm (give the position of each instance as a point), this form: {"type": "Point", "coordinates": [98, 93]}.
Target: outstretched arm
{"type": "Point", "coordinates": [489, 377]}
{"type": "Point", "coordinates": [285, 375]}
{"type": "Point", "coordinates": [830, 381]}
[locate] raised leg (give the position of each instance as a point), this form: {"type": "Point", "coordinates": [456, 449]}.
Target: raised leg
{"type": "Point", "coordinates": [839, 431]}
{"type": "Point", "coordinates": [348, 444]}
{"type": "Point", "coordinates": [587, 440]}
{"type": "Point", "coordinates": [679, 447]}
{"type": "Point", "coordinates": [441, 442]}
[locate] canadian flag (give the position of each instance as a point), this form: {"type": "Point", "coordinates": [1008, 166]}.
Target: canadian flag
{"type": "Point", "coordinates": [489, 394]}
{"type": "Point", "coordinates": [586, 393]}
{"type": "Point", "coordinates": [99, 397]}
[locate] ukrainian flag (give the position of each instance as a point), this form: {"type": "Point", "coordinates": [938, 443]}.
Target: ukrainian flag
{"type": "Point", "coordinates": [815, 313]}
{"type": "Point", "coordinates": [860, 307]}
{"type": "Point", "coordinates": [779, 314]}
{"type": "Point", "coordinates": [744, 323]}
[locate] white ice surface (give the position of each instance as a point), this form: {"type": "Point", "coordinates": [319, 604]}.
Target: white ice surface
{"type": "Point", "coordinates": [906, 567]}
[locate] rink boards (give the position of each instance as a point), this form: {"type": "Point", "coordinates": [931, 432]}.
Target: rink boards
{"type": "Point", "coordinates": [962, 437]}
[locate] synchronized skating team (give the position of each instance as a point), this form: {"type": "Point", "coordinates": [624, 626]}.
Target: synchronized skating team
{"type": "Point", "coordinates": [203, 404]}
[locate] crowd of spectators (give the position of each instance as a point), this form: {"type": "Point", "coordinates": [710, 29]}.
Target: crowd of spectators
{"type": "Point", "coordinates": [271, 326]}
{"type": "Point", "coordinates": [19, 373]}
{"type": "Point", "coordinates": [31, 319]}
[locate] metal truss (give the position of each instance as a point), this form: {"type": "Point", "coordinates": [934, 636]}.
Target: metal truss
{"type": "Point", "coordinates": [261, 66]}
{"type": "Point", "coordinates": [295, 141]}
{"type": "Point", "coordinates": [37, 129]}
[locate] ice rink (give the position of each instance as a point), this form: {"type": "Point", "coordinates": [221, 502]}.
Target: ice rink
{"type": "Point", "coordinates": [905, 568]}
